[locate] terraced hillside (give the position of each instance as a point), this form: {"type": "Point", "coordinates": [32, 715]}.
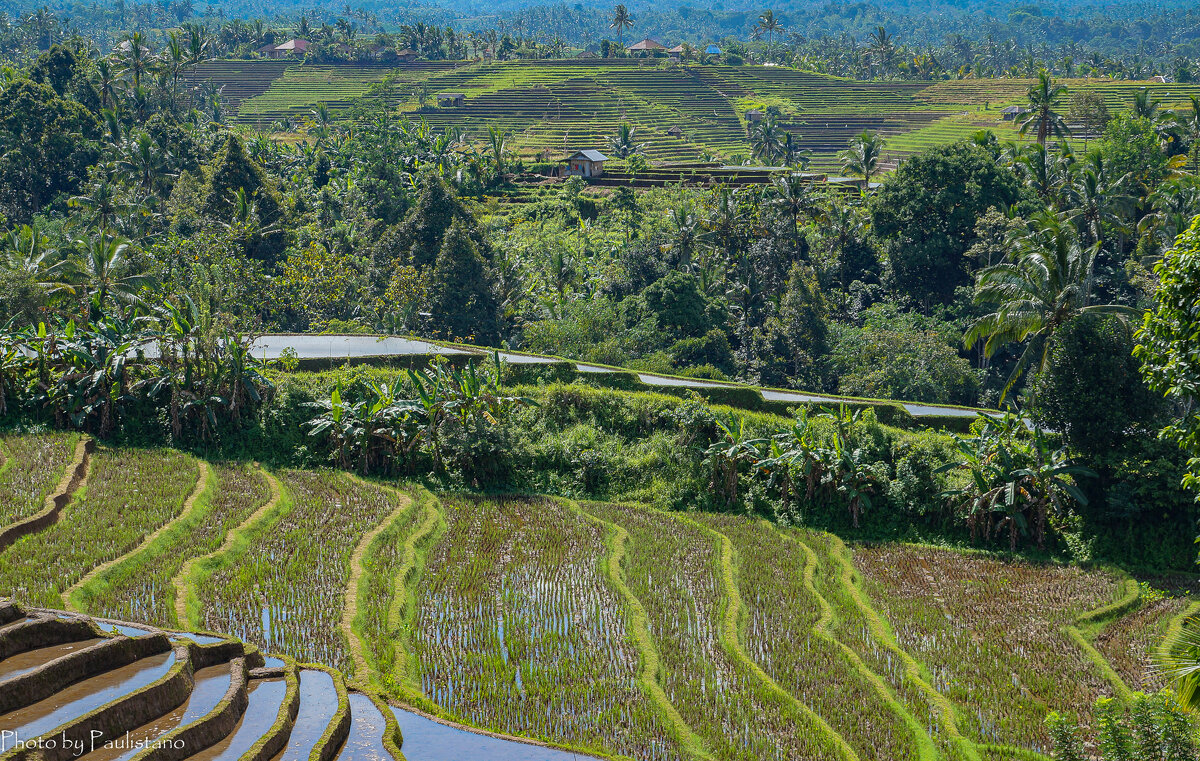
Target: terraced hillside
{"type": "Point", "coordinates": [611, 629]}
{"type": "Point", "coordinates": [552, 107]}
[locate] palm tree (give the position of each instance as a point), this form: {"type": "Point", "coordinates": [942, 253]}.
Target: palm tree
{"type": "Point", "coordinates": [107, 83]}
{"type": "Point", "coordinates": [498, 146]}
{"type": "Point", "coordinates": [685, 227]}
{"type": "Point", "coordinates": [1043, 97]}
{"type": "Point", "coordinates": [861, 159]}
{"type": "Point", "coordinates": [766, 139]}
{"type": "Point", "coordinates": [770, 26]}
{"type": "Point", "coordinates": [792, 154]}
{"type": "Point", "coordinates": [102, 203]}
{"type": "Point", "coordinates": [624, 144]}
{"type": "Point", "coordinates": [1189, 122]}
{"type": "Point", "coordinates": [1097, 200]}
{"type": "Point", "coordinates": [1044, 284]}
{"type": "Point", "coordinates": [134, 60]}
{"type": "Point", "coordinates": [174, 59]}
{"type": "Point", "coordinates": [98, 274]}
{"type": "Point", "coordinates": [883, 47]}
{"type": "Point", "coordinates": [1144, 106]}
{"type": "Point", "coordinates": [622, 20]}
{"type": "Point", "coordinates": [792, 197]}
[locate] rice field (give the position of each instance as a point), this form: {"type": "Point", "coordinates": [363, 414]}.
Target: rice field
{"type": "Point", "coordinates": [674, 570]}
{"type": "Point", "coordinates": [391, 564]}
{"type": "Point", "coordinates": [991, 634]}
{"type": "Point", "coordinates": [517, 630]}
{"type": "Point", "coordinates": [558, 106]}
{"type": "Point", "coordinates": [862, 631]}
{"type": "Point", "coordinates": [1129, 642]}
{"type": "Point", "coordinates": [140, 587]}
{"type": "Point", "coordinates": [32, 466]}
{"type": "Point", "coordinates": [284, 590]}
{"type": "Point", "coordinates": [611, 629]}
{"type": "Point", "coordinates": [129, 495]}
{"type": "Point", "coordinates": [786, 632]}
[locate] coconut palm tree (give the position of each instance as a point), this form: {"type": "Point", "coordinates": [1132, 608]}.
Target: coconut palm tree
{"type": "Point", "coordinates": [770, 26]}
{"type": "Point", "coordinates": [1045, 283]}
{"type": "Point", "coordinates": [685, 233]}
{"type": "Point", "coordinates": [792, 154]}
{"type": "Point", "coordinates": [861, 159]}
{"type": "Point", "coordinates": [624, 144]}
{"type": "Point", "coordinates": [498, 146]}
{"type": "Point", "coordinates": [793, 198]}
{"type": "Point", "coordinates": [1043, 97]}
{"type": "Point", "coordinates": [135, 58]}
{"type": "Point", "coordinates": [98, 275]}
{"type": "Point", "coordinates": [174, 61]}
{"type": "Point", "coordinates": [1189, 122]}
{"type": "Point", "coordinates": [1097, 200]}
{"type": "Point", "coordinates": [766, 139]}
{"type": "Point", "coordinates": [622, 20]}
{"type": "Point", "coordinates": [883, 47]}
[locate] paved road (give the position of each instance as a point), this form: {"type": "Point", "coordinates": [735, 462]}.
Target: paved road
{"type": "Point", "coordinates": [349, 347]}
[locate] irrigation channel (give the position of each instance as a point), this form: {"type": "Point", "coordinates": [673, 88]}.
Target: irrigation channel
{"type": "Point", "coordinates": [362, 347]}
{"type": "Point", "coordinates": [109, 690]}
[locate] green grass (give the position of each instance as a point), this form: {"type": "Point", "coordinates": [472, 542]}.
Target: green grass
{"type": "Point", "coordinates": [33, 465]}
{"type": "Point", "coordinates": [129, 495]}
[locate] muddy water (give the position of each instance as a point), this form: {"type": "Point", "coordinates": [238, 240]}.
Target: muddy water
{"type": "Point", "coordinates": [23, 663]}
{"type": "Point", "coordinates": [427, 740]}
{"type": "Point", "coordinates": [266, 695]}
{"type": "Point", "coordinates": [211, 685]}
{"type": "Point", "coordinates": [84, 697]}
{"type": "Point", "coordinates": [318, 704]}
{"type": "Point", "coordinates": [365, 742]}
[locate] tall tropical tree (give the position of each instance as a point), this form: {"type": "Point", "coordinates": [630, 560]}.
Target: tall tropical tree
{"type": "Point", "coordinates": [135, 57]}
{"type": "Point", "coordinates": [793, 198]}
{"type": "Point", "coordinates": [766, 139]}
{"type": "Point", "coordinates": [1189, 123]}
{"type": "Point", "coordinates": [883, 47]}
{"type": "Point", "coordinates": [624, 144]}
{"type": "Point", "coordinates": [861, 159]}
{"type": "Point", "coordinates": [769, 25]}
{"type": "Point", "coordinates": [174, 61]}
{"type": "Point", "coordinates": [99, 274]}
{"type": "Point", "coordinates": [622, 20]}
{"type": "Point", "coordinates": [1043, 98]}
{"type": "Point", "coordinates": [1045, 283]}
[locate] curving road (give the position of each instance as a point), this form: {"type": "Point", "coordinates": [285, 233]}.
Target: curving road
{"type": "Point", "coordinates": [349, 347]}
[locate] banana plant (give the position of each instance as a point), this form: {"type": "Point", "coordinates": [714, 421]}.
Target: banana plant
{"type": "Point", "coordinates": [727, 454]}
